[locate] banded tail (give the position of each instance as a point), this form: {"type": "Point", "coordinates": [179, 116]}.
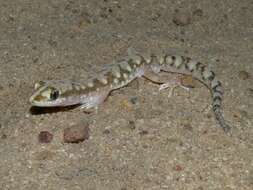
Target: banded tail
{"type": "Point", "coordinates": [208, 77]}
{"type": "Point", "coordinates": [185, 65]}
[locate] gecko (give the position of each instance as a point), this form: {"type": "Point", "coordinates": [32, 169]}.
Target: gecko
{"type": "Point", "coordinates": [94, 91]}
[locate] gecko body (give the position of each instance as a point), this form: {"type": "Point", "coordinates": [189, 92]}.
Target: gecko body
{"type": "Point", "coordinates": [96, 89]}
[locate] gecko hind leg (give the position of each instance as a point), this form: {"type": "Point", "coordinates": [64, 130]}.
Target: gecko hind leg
{"type": "Point", "coordinates": [172, 85]}
{"type": "Point", "coordinates": [166, 81]}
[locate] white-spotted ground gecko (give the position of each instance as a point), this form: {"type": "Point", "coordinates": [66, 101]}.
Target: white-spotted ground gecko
{"type": "Point", "coordinates": [93, 92]}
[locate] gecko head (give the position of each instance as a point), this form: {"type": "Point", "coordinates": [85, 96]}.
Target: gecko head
{"type": "Point", "coordinates": [46, 95]}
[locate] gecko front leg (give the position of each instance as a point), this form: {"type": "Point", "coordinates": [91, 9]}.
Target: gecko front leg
{"type": "Point", "coordinates": [93, 100]}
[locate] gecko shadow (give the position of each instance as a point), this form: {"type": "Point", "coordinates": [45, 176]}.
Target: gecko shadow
{"type": "Point", "coordinates": [47, 110]}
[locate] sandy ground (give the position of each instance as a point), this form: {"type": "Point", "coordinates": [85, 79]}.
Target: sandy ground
{"type": "Point", "coordinates": [139, 138]}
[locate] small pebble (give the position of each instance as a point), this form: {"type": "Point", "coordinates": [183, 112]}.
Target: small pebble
{"type": "Point", "coordinates": [131, 125]}
{"type": "Point", "coordinates": [188, 126]}
{"type": "Point", "coordinates": [243, 75]}
{"type": "Point", "coordinates": [106, 131]}
{"type": "Point", "coordinates": [181, 19]}
{"type": "Point", "coordinates": [178, 168]}
{"type": "Point", "coordinates": [134, 100]}
{"type": "Point", "coordinates": [45, 137]}
{"type": "Point", "coordinates": [77, 133]}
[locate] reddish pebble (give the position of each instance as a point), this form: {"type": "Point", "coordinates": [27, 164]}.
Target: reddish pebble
{"type": "Point", "coordinates": [45, 137]}
{"type": "Point", "coordinates": [76, 133]}
{"type": "Point", "coordinates": [178, 168]}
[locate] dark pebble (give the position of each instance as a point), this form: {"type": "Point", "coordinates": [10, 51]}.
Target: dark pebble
{"type": "Point", "coordinates": [106, 131]}
{"type": "Point", "coordinates": [178, 168]}
{"type": "Point", "coordinates": [134, 100]}
{"type": "Point", "coordinates": [45, 137]}
{"type": "Point", "coordinates": [131, 125]}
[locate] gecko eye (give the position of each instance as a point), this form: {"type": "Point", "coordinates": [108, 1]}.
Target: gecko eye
{"type": "Point", "coordinates": [54, 94]}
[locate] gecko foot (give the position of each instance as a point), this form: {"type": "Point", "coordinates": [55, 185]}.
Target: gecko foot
{"type": "Point", "coordinates": [172, 85]}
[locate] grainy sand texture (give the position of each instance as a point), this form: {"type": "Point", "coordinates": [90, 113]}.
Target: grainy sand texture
{"type": "Point", "coordinates": [139, 138]}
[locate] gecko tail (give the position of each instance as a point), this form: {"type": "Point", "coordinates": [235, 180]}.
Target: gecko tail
{"type": "Point", "coordinates": [188, 66]}
{"type": "Point", "coordinates": [219, 117]}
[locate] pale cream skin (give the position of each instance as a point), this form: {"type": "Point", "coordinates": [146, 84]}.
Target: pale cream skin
{"type": "Point", "coordinates": [93, 92]}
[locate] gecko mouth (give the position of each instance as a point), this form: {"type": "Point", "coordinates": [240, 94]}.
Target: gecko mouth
{"type": "Point", "coordinates": [39, 101]}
